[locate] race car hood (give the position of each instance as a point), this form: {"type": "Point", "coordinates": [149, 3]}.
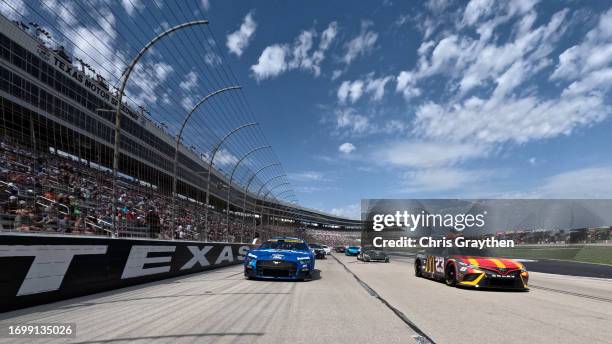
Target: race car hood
{"type": "Point", "coordinates": [490, 263]}
{"type": "Point", "coordinates": [266, 254]}
{"type": "Point", "coordinates": [375, 252]}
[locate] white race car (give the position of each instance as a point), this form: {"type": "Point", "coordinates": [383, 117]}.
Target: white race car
{"type": "Point", "coordinates": [327, 249]}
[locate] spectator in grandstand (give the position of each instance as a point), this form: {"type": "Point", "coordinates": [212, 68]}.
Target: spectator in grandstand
{"type": "Point", "coordinates": [11, 206]}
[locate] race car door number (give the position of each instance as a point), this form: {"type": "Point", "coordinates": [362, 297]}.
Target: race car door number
{"type": "Point", "coordinates": [440, 264]}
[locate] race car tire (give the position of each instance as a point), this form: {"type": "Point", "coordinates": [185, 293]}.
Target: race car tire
{"type": "Point", "coordinates": [387, 260]}
{"type": "Point", "coordinates": [417, 269]}
{"type": "Point", "coordinates": [450, 275]}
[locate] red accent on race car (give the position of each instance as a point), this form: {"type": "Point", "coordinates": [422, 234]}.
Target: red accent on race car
{"type": "Point", "coordinates": [490, 262]}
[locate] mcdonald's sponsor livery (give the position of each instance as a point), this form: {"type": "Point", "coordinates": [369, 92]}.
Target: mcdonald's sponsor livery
{"type": "Point", "coordinates": [468, 267]}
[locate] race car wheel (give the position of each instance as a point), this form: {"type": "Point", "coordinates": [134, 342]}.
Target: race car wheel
{"type": "Point", "coordinates": [451, 276]}
{"type": "Point", "coordinates": [417, 269]}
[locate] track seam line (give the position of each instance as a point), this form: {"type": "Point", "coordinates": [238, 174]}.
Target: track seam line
{"type": "Point", "coordinates": [422, 338]}
{"type": "Point", "coordinates": [590, 297]}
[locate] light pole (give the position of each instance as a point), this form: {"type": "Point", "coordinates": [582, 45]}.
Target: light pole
{"type": "Point", "coordinates": [264, 200]}
{"type": "Point", "coordinates": [246, 190]}
{"type": "Point", "coordinates": [178, 141]}
{"type": "Point", "coordinates": [279, 211]}
{"type": "Point", "coordinates": [126, 76]}
{"type": "Point", "coordinates": [257, 197]}
{"type": "Point", "coordinates": [286, 198]}
{"type": "Point", "coordinates": [210, 163]}
{"type": "Point", "coordinates": [229, 189]}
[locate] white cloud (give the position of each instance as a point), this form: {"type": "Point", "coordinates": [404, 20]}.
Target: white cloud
{"type": "Point", "coordinates": [416, 154]}
{"type": "Point", "coordinates": [328, 36]}
{"type": "Point", "coordinates": [350, 90]}
{"type": "Point", "coordinates": [477, 9]}
{"type": "Point", "coordinates": [307, 176]}
{"type": "Point", "coordinates": [590, 182]}
{"type": "Point", "coordinates": [347, 119]}
{"type": "Point", "coordinates": [238, 40]}
{"type": "Point", "coordinates": [493, 97]}
{"type": "Point", "coordinates": [361, 44]}
{"type": "Point", "coordinates": [349, 122]}
{"type": "Point", "coordinates": [224, 158]}
{"type": "Point", "coordinates": [353, 90]}
{"type": "Point", "coordinates": [212, 59]}
{"type": "Point", "coordinates": [438, 179]}
{"type": "Point", "coordinates": [470, 63]}
{"type": "Point", "coordinates": [437, 6]}
{"type": "Point", "coordinates": [278, 58]}
{"type": "Point", "coordinates": [101, 53]}
{"type": "Point", "coordinates": [377, 87]}
{"type": "Point", "coordinates": [188, 100]}
{"type": "Point", "coordinates": [206, 5]}
{"type": "Point", "coordinates": [271, 62]}
{"type": "Point", "coordinates": [190, 81]}
{"type": "Point", "coordinates": [517, 120]}
{"type": "Point", "coordinates": [131, 6]}
{"type": "Point", "coordinates": [16, 9]}
{"type": "Point", "coordinates": [346, 148]}
{"type": "Point", "coordinates": [351, 211]}
{"type": "Point", "coordinates": [145, 81]}
{"type": "Point", "coordinates": [587, 66]}
{"type": "Point", "coordinates": [406, 84]}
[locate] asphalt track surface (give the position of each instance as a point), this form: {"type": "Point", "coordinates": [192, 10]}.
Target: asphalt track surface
{"type": "Point", "coordinates": [349, 302]}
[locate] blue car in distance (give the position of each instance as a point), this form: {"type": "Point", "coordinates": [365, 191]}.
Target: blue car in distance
{"type": "Point", "coordinates": [280, 258]}
{"type": "Point", "coordinates": [352, 250]}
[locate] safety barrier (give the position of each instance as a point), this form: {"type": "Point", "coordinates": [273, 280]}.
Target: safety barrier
{"type": "Point", "coordinates": [38, 268]}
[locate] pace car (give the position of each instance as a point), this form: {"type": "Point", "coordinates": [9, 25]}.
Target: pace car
{"type": "Point", "coordinates": [465, 267]}
{"type": "Point", "coordinates": [280, 258]}
{"type": "Point", "coordinates": [352, 250]}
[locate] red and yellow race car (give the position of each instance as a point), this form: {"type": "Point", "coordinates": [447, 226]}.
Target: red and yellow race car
{"type": "Point", "coordinates": [465, 267]}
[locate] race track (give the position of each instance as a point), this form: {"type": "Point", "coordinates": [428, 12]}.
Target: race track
{"type": "Point", "coordinates": [368, 303]}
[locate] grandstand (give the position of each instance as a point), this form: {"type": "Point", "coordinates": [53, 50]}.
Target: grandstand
{"type": "Point", "coordinates": [56, 136]}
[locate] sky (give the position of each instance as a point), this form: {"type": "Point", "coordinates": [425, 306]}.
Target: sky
{"type": "Point", "coordinates": [395, 99]}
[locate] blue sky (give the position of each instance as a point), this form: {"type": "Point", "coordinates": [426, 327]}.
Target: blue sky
{"type": "Point", "coordinates": [437, 99]}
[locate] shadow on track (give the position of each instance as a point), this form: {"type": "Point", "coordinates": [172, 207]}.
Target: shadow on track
{"type": "Point", "coordinates": [316, 275]}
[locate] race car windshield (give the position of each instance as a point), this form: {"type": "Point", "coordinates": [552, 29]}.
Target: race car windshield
{"type": "Point", "coordinates": [283, 245]}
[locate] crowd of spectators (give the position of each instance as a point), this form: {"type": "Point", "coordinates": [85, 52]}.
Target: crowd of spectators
{"type": "Point", "coordinates": [332, 238]}
{"type": "Point", "coordinates": [58, 193]}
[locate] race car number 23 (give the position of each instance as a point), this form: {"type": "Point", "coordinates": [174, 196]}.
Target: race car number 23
{"type": "Point", "coordinates": [439, 264]}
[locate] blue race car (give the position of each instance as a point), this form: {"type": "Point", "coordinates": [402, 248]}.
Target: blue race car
{"type": "Point", "coordinates": [352, 251]}
{"type": "Point", "coordinates": [280, 258]}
